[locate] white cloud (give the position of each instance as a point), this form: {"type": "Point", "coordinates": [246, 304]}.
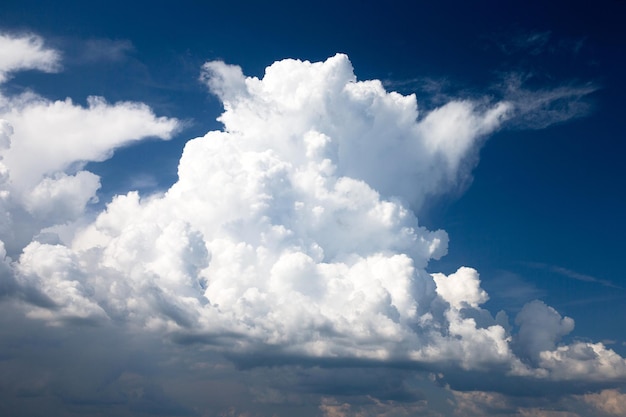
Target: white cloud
{"type": "Point", "coordinates": [55, 271]}
{"type": "Point", "coordinates": [367, 126]}
{"type": "Point", "coordinates": [62, 198]}
{"type": "Point", "coordinates": [66, 134]}
{"type": "Point", "coordinates": [300, 246]}
{"type": "Point", "coordinates": [25, 52]}
{"type": "Point", "coordinates": [291, 231]}
{"type": "Point", "coordinates": [461, 288]}
{"type": "Point", "coordinates": [44, 144]}
{"type": "Point", "coordinates": [580, 360]}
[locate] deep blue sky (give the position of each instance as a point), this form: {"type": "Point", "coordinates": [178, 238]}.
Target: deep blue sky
{"type": "Point", "coordinates": [544, 214]}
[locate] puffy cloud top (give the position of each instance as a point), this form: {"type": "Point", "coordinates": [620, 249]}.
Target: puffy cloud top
{"type": "Point", "coordinates": [375, 136]}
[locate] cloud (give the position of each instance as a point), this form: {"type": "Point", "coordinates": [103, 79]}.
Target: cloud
{"type": "Point", "coordinates": [592, 360]}
{"type": "Point", "coordinates": [356, 117]}
{"type": "Point", "coordinates": [292, 201]}
{"type": "Point", "coordinates": [330, 407]}
{"type": "Point", "coordinates": [291, 236]}
{"type": "Point", "coordinates": [102, 50]}
{"type": "Point", "coordinates": [540, 328]}
{"type": "Point", "coordinates": [513, 289]}
{"type": "Point", "coordinates": [24, 52]}
{"type": "Point", "coordinates": [289, 229]}
{"type": "Point", "coordinates": [528, 106]}
{"type": "Point", "coordinates": [534, 43]}
{"type": "Point", "coordinates": [610, 401]}
{"type": "Point", "coordinates": [572, 274]}
{"type": "Point", "coordinates": [288, 232]}
{"type": "Point", "coordinates": [45, 144]}
{"type": "Point", "coordinates": [531, 42]}
{"type": "Point", "coordinates": [539, 108]}
{"type": "Point", "coordinates": [479, 403]}
{"type": "Point", "coordinates": [530, 63]}
{"type": "Point", "coordinates": [67, 134]}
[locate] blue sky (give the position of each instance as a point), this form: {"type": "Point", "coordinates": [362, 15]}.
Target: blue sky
{"type": "Point", "coordinates": [305, 254]}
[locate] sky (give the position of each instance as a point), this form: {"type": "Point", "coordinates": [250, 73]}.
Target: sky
{"type": "Point", "coordinates": [330, 209]}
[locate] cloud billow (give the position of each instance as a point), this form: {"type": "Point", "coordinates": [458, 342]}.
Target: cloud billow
{"type": "Point", "coordinates": [274, 229]}
{"type": "Point", "coordinates": [293, 230]}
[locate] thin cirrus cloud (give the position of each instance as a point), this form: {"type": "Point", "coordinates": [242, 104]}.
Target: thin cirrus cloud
{"type": "Point", "coordinates": [288, 235]}
{"type": "Point", "coordinates": [103, 50]}
{"type": "Point", "coordinates": [572, 274]}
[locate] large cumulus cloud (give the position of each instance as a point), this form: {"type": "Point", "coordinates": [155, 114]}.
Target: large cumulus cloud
{"type": "Point", "coordinates": [292, 230]}
{"type": "Point", "coordinates": [291, 234]}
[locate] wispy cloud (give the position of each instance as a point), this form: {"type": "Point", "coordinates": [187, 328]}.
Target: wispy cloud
{"type": "Point", "coordinates": [572, 274]}
{"type": "Point", "coordinates": [524, 42]}
{"type": "Point", "coordinates": [532, 42]}
{"type": "Point", "coordinates": [513, 288]}
{"type": "Point", "coordinates": [533, 104]}
{"type": "Point", "coordinates": [100, 50]}
{"type": "Point", "coordinates": [523, 79]}
{"type": "Point", "coordinates": [538, 108]}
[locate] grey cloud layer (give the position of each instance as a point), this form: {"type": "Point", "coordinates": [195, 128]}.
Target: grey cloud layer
{"type": "Point", "coordinates": [290, 233]}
